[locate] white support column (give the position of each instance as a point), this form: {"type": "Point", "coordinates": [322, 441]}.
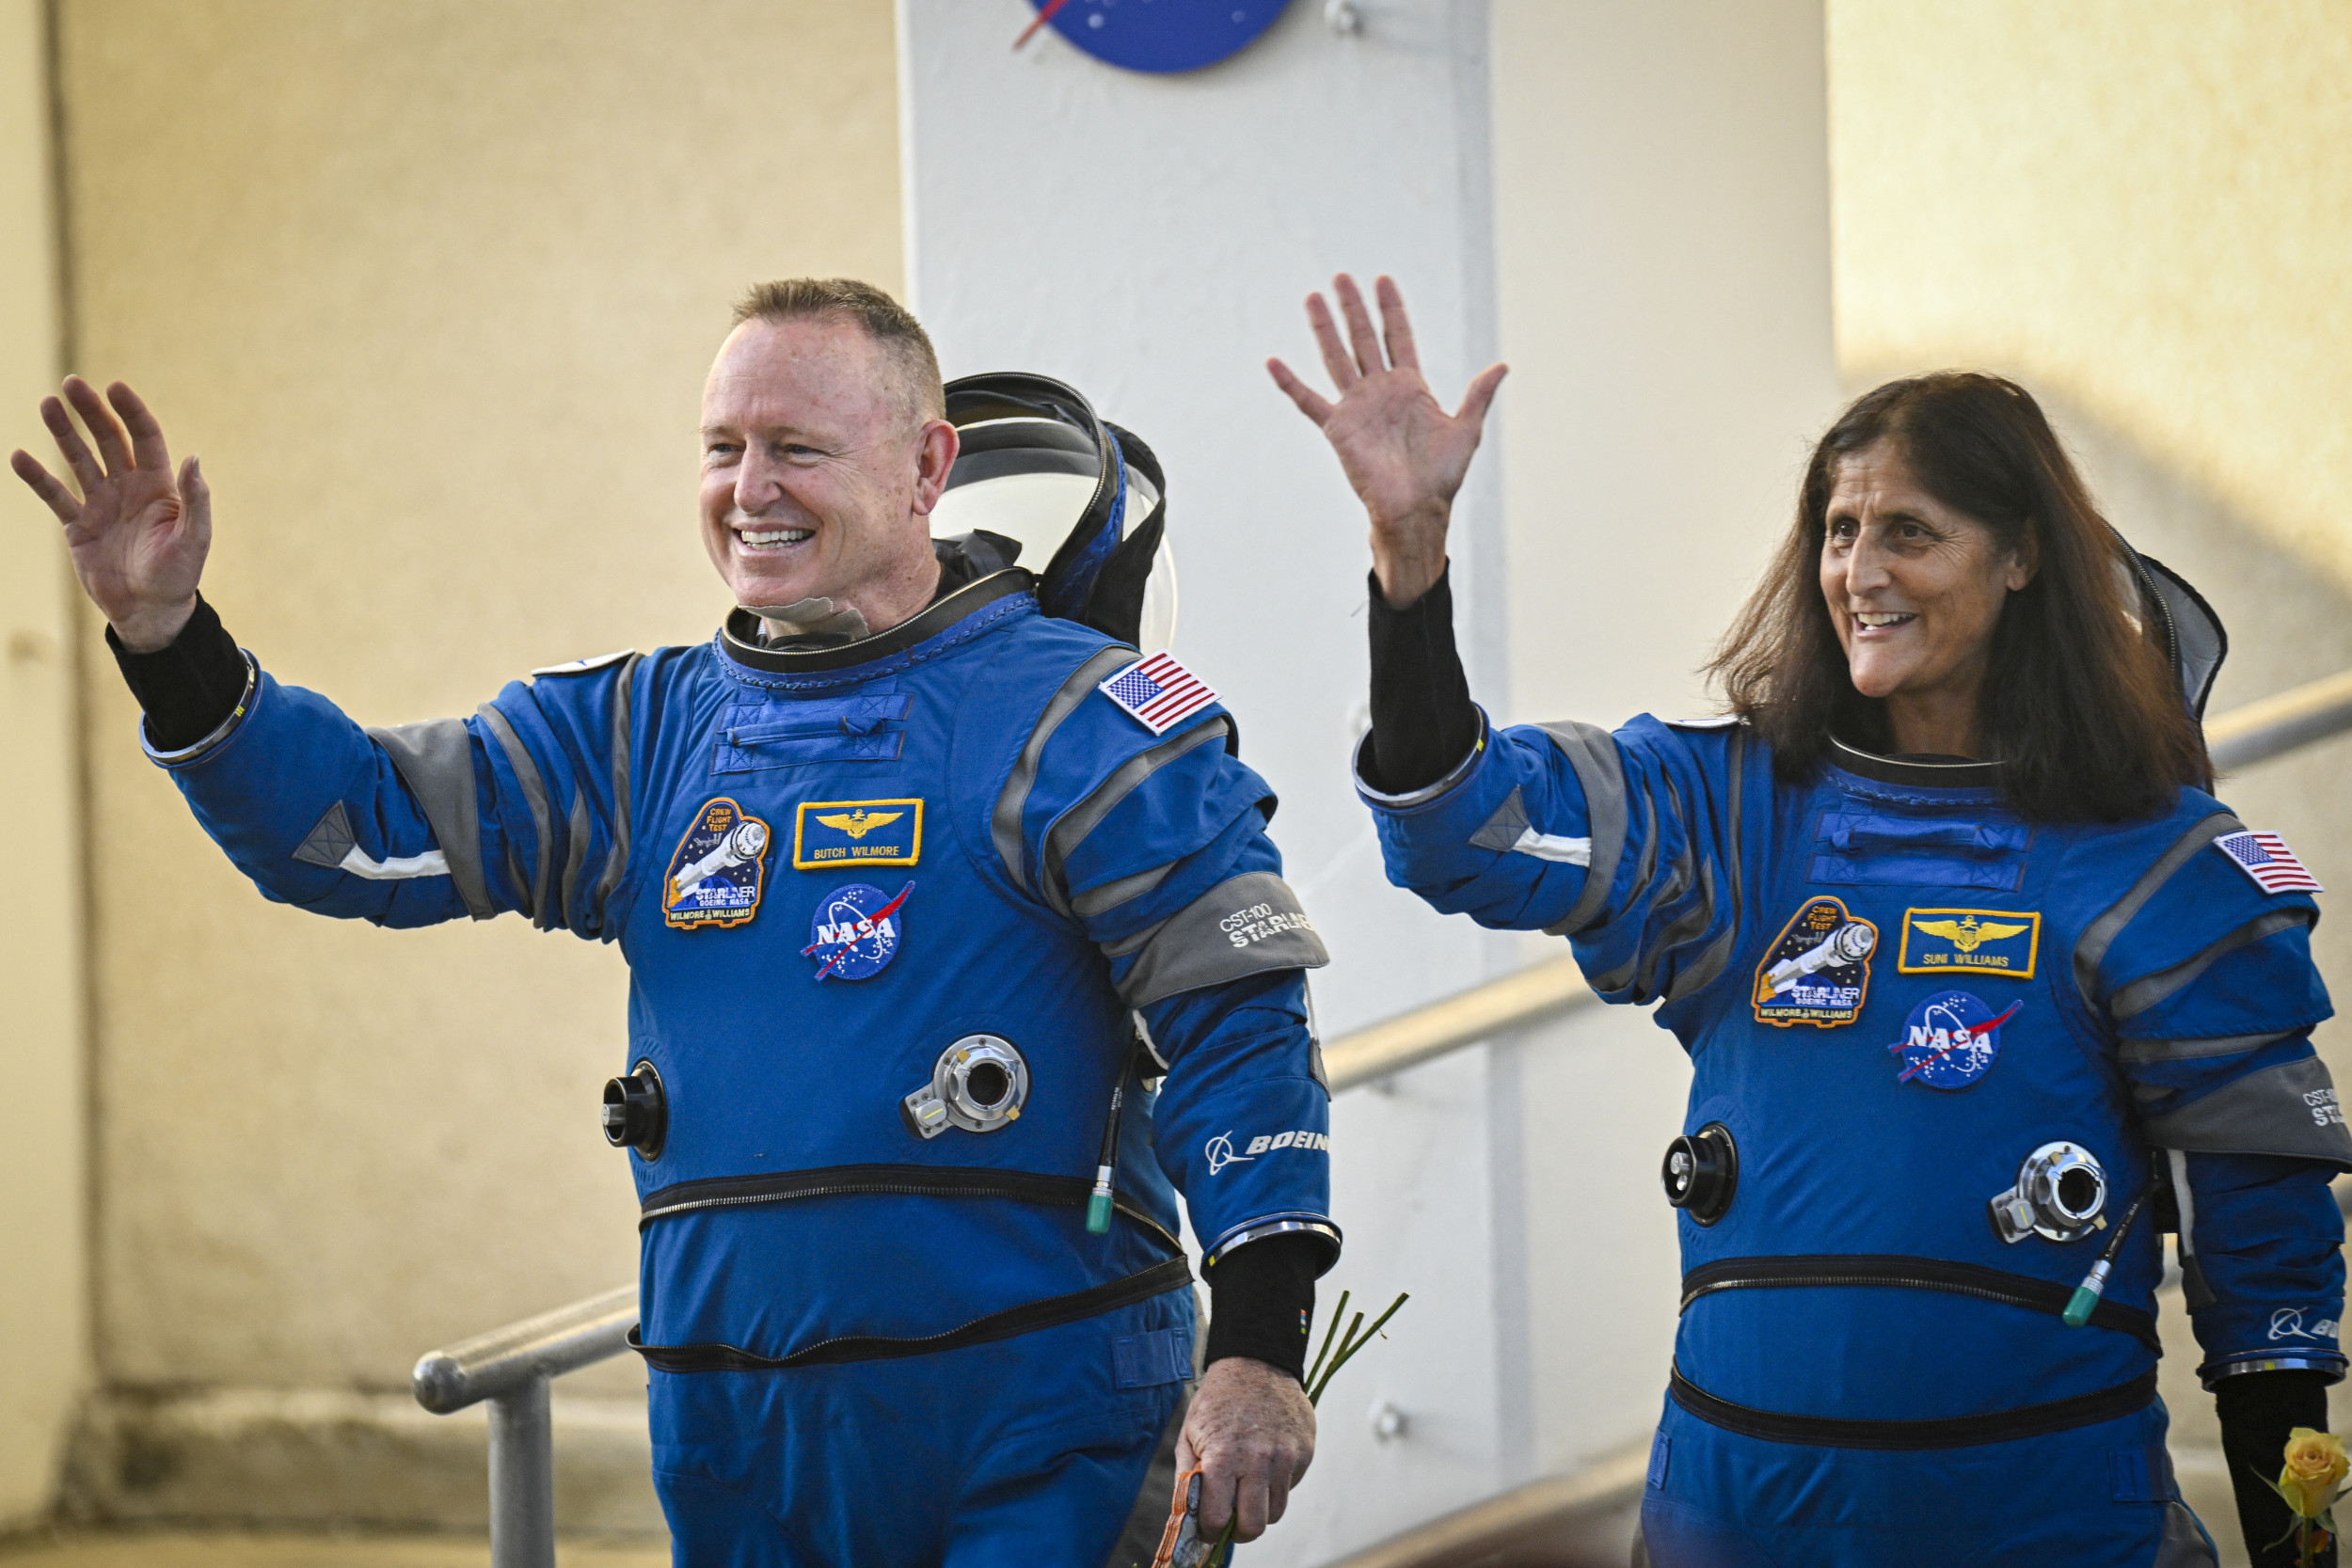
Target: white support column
{"type": "Point", "coordinates": [1151, 239]}
{"type": "Point", "coordinates": [1661, 198]}
{"type": "Point", "coordinates": [44, 1305]}
{"type": "Point", "coordinates": [1629, 203]}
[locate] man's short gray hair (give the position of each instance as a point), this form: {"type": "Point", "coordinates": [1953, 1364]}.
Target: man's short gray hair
{"type": "Point", "coordinates": [890, 324]}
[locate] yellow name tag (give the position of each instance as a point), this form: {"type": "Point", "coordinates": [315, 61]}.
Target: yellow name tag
{"type": "Point", "coordinates": [857, 832]}
{"type": "Point", "coordinates": [1973, 941]}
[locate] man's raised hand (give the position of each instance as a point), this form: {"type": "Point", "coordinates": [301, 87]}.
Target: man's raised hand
{"type": "Point", "coordinates": [138, 533]}
{"type": "Point", "coordinates": [1404, 453]}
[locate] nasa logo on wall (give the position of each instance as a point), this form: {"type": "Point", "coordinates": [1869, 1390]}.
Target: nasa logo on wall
{"type": "Point", "coordinates": [856, 931]}
{"type": "Point", "coordinates": [1173, 36]}
{"type": "Point", "coordinates": [1818, 970]}
{"type": "Point", "coordinates": [1951, 1040]}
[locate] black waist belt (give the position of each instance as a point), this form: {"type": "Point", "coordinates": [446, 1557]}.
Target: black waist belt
{"type": "Point", "coordinates": [1091, 1302]}
{"type": "Point", "coordinates": [721, 1192]}
{"type": "Point", "coordinates": [1956, 1431]}
{"type": "Point", "coordinates": [1916, 1274]}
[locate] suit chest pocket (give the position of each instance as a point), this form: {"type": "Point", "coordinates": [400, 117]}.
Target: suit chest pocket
{"type": "Point", "coordinates": [868, 727]}
{"type": "Point", "coordinates": [1865, 848]}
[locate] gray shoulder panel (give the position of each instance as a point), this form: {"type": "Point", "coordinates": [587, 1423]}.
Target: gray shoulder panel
{"type": "Point", "coordinates": [2289, 1109]}
{"type": "Point", "coordinates": [1687, 926]}
{"type": "Point", "coordinates": [2136, 1053]}
{"type": "Point", "coordinates": [1712, 962]}
{"type": "Point", "coordinates": [1696, 864]}
{"type": "Point", "coordinates": [1709, 963]}
{"type": "Point", "coordinates": [1096, 900]}
{"type": "Point", "coordinates": [1084, 817]}
{"type": "Point", "coordinates": [2101, 933]}
{"type": "Point", "coordinates": [2137, 997]}
{"type": "Point", "coordinates": [1243, 926]}
{"type": "Point", "coordinates": [1645, 868]}
{"type": "Point", "coordinates": [575, 829]}
{"type": "Point", "coordinates": [1593, 753]}
{"type": "Point", "coordinates": [435, 759]}
{"type": "Point", "coordinates": [1003, 823]}
{"type": "Point", "coordinates": [542, 815]}
{"type": "Point", "coordinates": [617, 862]}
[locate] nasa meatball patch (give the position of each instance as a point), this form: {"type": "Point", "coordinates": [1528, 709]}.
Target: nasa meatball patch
{"type": "Point", "coordinates": [856, 931]}
{"type": "Point", "coordinates": [1818, 971]}
{"type": "Point", "coordinates": [1950, 1039]}
{"type": "Point", "coordinates": [716, 875]}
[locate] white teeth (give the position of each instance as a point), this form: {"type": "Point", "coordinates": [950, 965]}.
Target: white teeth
{"type": "Point", "coordinates": [1883, 618]}
{"type": "Point", "coordinates": [774, 536]}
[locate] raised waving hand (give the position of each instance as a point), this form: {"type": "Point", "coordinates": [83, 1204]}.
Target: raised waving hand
{"type": "Point", "coordinates": [1402, 452]}
{"type": "Point", "coordinates": [139, 531]}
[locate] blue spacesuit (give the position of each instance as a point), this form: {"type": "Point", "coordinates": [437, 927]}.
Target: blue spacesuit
{"type": "Point", "coordinates": [1937, 1053]}
{"type": "Point", "coordinates": [894, 913]}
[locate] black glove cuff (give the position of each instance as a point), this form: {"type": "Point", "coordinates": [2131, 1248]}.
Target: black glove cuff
{"type": "Point", "coordinates": [1262, 1301]}
{"type": "Point", "coordinates": [189, 687]}
{"type": "Point", "coordinates": [1422, 719]}
{"type": "Point", "coordinates": [2257, 1411]}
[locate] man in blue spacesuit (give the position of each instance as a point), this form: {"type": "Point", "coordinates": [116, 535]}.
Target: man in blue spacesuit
{"type": "Point", "coordinates": [1976, 983]}
{"type": "Point", "coordinates": [920, 888]}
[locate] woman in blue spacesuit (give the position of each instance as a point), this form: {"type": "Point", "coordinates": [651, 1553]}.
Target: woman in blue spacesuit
{"type": "Point", "coordinates": [1983, 991]}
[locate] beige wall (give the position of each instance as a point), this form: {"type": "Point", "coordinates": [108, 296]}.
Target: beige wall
{"type": "Point", "coordinates": [43, 1290]}
{"type": "Point", "coordinates": [2140, 204]}
{"type": "Point", "coordinates": [2143, 209]}
{"type": "Point", "coordinates": [431, 286]}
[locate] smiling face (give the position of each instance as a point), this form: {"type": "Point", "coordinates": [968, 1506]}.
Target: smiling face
{"type": "Point", "coordinates": [1914, 590]}
{"type": "Point", "coordinates": [818, 481]}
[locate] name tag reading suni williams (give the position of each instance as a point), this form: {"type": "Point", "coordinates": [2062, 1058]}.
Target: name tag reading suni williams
{"type": "Point", "coordinates": [1989, 942]}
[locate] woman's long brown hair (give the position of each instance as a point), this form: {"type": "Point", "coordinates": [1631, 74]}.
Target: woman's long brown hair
{"type": "Point", "coordinates": [2079, 699]}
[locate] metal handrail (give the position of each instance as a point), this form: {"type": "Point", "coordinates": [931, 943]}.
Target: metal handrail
{"type": "Point", "coordinates": [490, 1366]}
{"type": "Point", "coordinates": [1533, 995]}
{"type": "Point", "coordinates": [510, 1366]}
{"type": "Point", "coordinates": [2274, 725]}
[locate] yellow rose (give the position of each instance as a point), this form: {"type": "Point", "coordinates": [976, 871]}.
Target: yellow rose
{"type": "Point", "coordinates": [2315, 1463]}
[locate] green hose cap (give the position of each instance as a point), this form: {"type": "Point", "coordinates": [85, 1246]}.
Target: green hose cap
{"type": "Point", "coordinates": [2079, 1306]}
{"type": "Point", "coordinates": [1098, 1215]}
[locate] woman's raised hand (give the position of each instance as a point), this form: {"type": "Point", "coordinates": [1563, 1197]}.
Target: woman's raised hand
{"type": "Point", "coordinates": [1405, 455]}
{"type": "Point", "coordinates": [138, 533]}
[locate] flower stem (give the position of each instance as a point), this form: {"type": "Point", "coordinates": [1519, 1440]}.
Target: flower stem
{"type": "Point", "coordinates": [1328, 1333]}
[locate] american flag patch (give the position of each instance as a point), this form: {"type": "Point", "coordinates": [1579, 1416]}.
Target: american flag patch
{"type": "Point", "coordinates": [2267, 857]}
{"type": "Point", "coordinates": [1158, 692]}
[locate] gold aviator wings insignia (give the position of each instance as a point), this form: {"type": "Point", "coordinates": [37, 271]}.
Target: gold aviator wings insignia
{"type": "Point", "coordinates": [858, 823]}
{"type": "Point", "coordinates": [1967, 936]}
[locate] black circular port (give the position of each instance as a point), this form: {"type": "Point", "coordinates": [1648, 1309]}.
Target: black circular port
{"type": "Point", "coordinates": [987, 1085]}
{"type": "Point", "coordinates": [2078, 1191]}
{"type": "Point", "coordinates": [637, 1112]}
{"type": "Point", "coordinates": [1701, 1172]}
{"type": "Point", "coordinates": [1682, 1166]}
